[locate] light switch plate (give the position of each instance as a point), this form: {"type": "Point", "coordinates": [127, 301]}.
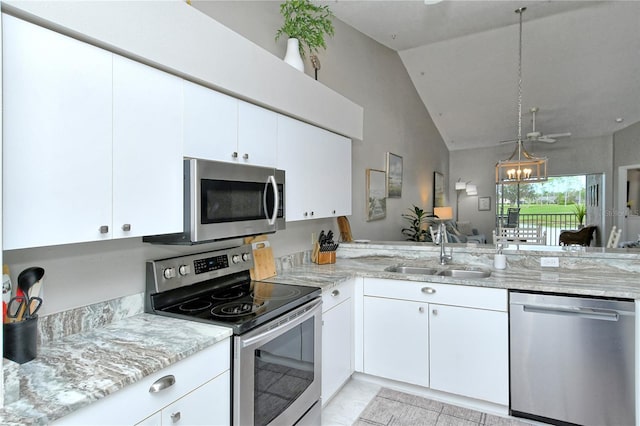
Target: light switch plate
{"type": "Point", "coordinates": [550, 262]}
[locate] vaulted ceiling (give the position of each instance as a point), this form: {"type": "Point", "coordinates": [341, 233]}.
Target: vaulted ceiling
{"type": "Point", "coordinates": [580, 64]}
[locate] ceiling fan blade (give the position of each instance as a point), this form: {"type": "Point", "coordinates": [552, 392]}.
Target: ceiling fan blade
{"type": "Point", "coordinates": [508, 141]}
{"type": "Point", "coordinates": [546, 139]}
{"type": "Point", "coordinates": [558, 135]}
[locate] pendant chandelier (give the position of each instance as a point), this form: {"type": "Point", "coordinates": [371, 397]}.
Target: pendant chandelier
{"type": "Point", "coordinates": [521, 167]}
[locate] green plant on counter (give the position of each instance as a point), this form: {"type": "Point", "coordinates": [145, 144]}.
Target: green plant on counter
{"type": "Point", "coordinates": [417, 219]}
{"type": "Point", "coordinates": [580, 212]}
{"type": "Point", "coordinates": [307, 22]}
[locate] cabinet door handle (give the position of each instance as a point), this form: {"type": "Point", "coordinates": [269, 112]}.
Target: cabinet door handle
{"type": "Point", "coordinates": [175, 417]}
{"type": "Point", "coordinates": [162, 383]}
{"type": "Point", "coordinates": [335, 293]}
{"type": "Point", "coordinates": [245, 156]}
{"type": "Point", "coordinates": [434, 312]}
{"type": "Point", "coordinates": [234, 155]}
{"type": "Point", "coordinates": [428, 290]}
{"type": "Point", "coordinates": [305, 214]}
{"type": "Point", "coordinates": [126, 227]}
{"type": "Point", "coordinates": [333, 212]}
{"type": "Point", "coordinates": [421, 309]}
{"type": "Point", "coordinates": [104, 229]}
{"type": "Point", "coordinates": [311, 213]}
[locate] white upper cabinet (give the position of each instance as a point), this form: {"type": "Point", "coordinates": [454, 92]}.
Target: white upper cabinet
{"type": "Point", "coordinates": [221, 128]}
{"type": "Point", "coordinates": [318, 170]}
{"type": "Point", "coordinates": [57, 137]}
{"type": "Point", "coordinates": [257, 133]}
{"type": "Point", "coordinates": [147, 150]}
{"type": "Point", "coordinates": [210, 123]}
{"type": "Point", "coordinates": [92, 142]}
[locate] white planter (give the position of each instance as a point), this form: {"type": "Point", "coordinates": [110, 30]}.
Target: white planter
{"type": "Point", "coordinates": [292, 57]}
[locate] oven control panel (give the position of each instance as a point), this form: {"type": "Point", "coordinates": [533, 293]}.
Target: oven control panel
{"type": "Point", "coordinates": [211, 263]}
{"type": "Point", "coordinates": [175, 272]}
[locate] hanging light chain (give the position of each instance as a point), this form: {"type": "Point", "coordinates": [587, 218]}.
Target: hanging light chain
{"type": "Point", "coordinates": [520, 11]}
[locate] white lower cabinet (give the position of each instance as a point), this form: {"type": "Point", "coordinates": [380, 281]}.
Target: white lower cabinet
{"type": "Point", "coordinates": [337, 339]}
{"type": "Point", "coordinates": [469, 352]}
{"type": "Point", "coordinates": [450, 338]}
{"type": "Point", "coordinates": [196, 408]}
{"type": "Point", "coordinates": [396, 342]}
{"type": "Point", "coordinates": [195, 391]}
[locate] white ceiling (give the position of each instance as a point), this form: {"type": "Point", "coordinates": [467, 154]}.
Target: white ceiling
{"type": "Point", "coordinates": [581, 63]}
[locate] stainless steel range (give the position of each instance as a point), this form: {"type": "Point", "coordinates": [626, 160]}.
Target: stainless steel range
{"type": "Point", "coordinates": [276, 331]}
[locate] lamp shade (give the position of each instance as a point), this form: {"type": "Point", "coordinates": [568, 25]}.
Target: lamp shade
{"type": "Point", "coordinates": [472, 189]}
{"type": "Point", "coordinates": [461, 186]}
{"type": "Point", "coordinates": [443, 213]}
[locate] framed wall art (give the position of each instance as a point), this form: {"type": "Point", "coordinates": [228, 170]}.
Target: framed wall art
{"type": "Point", "coordinates": [394, 175]}
{"type": "Point", "coordinates": [438, 189]}
{"type": "Point", "coordinates": [376, 194]}
{"type": "Point", "coordinates": [484, 203]}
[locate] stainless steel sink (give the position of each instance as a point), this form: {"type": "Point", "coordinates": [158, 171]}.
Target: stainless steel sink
{"type": "Point", "coordinates": [463, 273]}
{"type": "Point", "coordinates": [411, 270]}
{"type": "Point", "coordinates": [425, 270]}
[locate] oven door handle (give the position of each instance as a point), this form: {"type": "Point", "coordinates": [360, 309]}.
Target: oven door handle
{"type": "Point", "coordinates": [292, 318]}
{"type": "Point", "coordinates": [271, 180]}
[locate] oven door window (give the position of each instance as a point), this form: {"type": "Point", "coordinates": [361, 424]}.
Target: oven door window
{"type": "Point", "coordinates": [233, 201]}
{"type": "Point", "coordinates": [283, 370]}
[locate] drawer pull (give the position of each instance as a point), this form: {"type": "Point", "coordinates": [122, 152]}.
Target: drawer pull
{"type": "Point", "coordinates": [335, 293]}
{"type": "Point", "coordinates": [162, 383]}
{"type": "Point", "coordinates": [175, 417]}
{"type": "Point", "coordinates": [428, 290]}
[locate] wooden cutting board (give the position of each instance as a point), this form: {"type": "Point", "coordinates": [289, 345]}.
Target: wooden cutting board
{"type": "Point", "coordinates": [264, 264]}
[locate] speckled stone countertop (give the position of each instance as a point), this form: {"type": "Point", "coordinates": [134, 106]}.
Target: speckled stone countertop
{"type": "Point", "coordinates": [84, 367]}
{"type": "Point", "coordinates": [581, 272]}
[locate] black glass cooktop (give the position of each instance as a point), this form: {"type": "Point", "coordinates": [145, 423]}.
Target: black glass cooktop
{"type": "Point", "coordinates": [242, 306]}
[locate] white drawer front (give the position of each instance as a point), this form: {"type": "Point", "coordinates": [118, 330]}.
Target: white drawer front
{"type": "Point", "coordinates": [336, 295]}
{"type": "Point", "coordinates": [448, 294]}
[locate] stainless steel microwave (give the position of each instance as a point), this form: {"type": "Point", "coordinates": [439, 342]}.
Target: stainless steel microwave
{"type": "Point", "coordinates": [226, 200]}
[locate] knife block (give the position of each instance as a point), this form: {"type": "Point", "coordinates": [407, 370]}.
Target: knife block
{"type": "Point", "coordinates": [323, 257]}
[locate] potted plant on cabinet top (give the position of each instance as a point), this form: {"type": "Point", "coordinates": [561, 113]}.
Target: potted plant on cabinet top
{"type": "Point", "coordinates": [306, 25]}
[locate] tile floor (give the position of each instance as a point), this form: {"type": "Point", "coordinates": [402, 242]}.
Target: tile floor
{"type": "Point", "coordinates": [345, 408]}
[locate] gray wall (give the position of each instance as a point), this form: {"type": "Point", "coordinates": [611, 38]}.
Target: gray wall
{"type": "Point", "coordinates": [566, 157]}
{"type": "Point", "coordinates": [353, 65]}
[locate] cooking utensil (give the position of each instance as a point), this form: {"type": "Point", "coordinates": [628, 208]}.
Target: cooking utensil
{"type": "Point", "coordinates": [30, 281]}
{"type": "Point", "coordinates": [22, 308]}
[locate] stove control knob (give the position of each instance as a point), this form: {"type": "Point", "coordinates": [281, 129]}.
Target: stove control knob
{"type": "Point", "coordinates": [246, 256]}
{"type": "Point", "coordinates": [235, 258]}
{"type": "Point", "coordinates": [169, 273]}
{"type": "Point", "coordinates": [184, 270]}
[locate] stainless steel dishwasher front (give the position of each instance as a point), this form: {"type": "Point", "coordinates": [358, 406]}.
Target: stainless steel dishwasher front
{"type": "Point", "coordinates": [572, 359]}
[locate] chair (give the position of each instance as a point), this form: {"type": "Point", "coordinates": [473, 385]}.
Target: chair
{"type": "Point", "coordinates": [580, 237]}
{"type": "Point", "coordinates": [513, 217]}
{"type": "Point", "coordinates": [614, 237]}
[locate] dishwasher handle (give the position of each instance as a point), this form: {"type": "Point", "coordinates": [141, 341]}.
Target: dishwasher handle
{"type": "Point", "coordinates": [590, 313]}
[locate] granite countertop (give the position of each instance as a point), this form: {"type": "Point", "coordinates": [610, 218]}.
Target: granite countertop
{"type": "Point", "coordinates": [114, 356]}
{"type": "Point", "coordinates": [522, 273]}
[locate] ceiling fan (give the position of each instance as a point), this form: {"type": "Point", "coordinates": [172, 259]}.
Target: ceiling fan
{"type": "Point", "coordinates": [536, 136]}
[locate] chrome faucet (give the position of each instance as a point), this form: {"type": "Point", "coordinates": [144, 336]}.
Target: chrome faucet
{"type": "Point", "coordinates": [443, 256]}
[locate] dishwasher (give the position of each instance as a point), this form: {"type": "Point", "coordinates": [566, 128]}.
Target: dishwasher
{"type": "Point", "coordinates": [572, 359]}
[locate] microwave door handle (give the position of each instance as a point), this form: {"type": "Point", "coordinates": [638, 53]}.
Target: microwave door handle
{"type": "Point", "coordinates": [271, 180]}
